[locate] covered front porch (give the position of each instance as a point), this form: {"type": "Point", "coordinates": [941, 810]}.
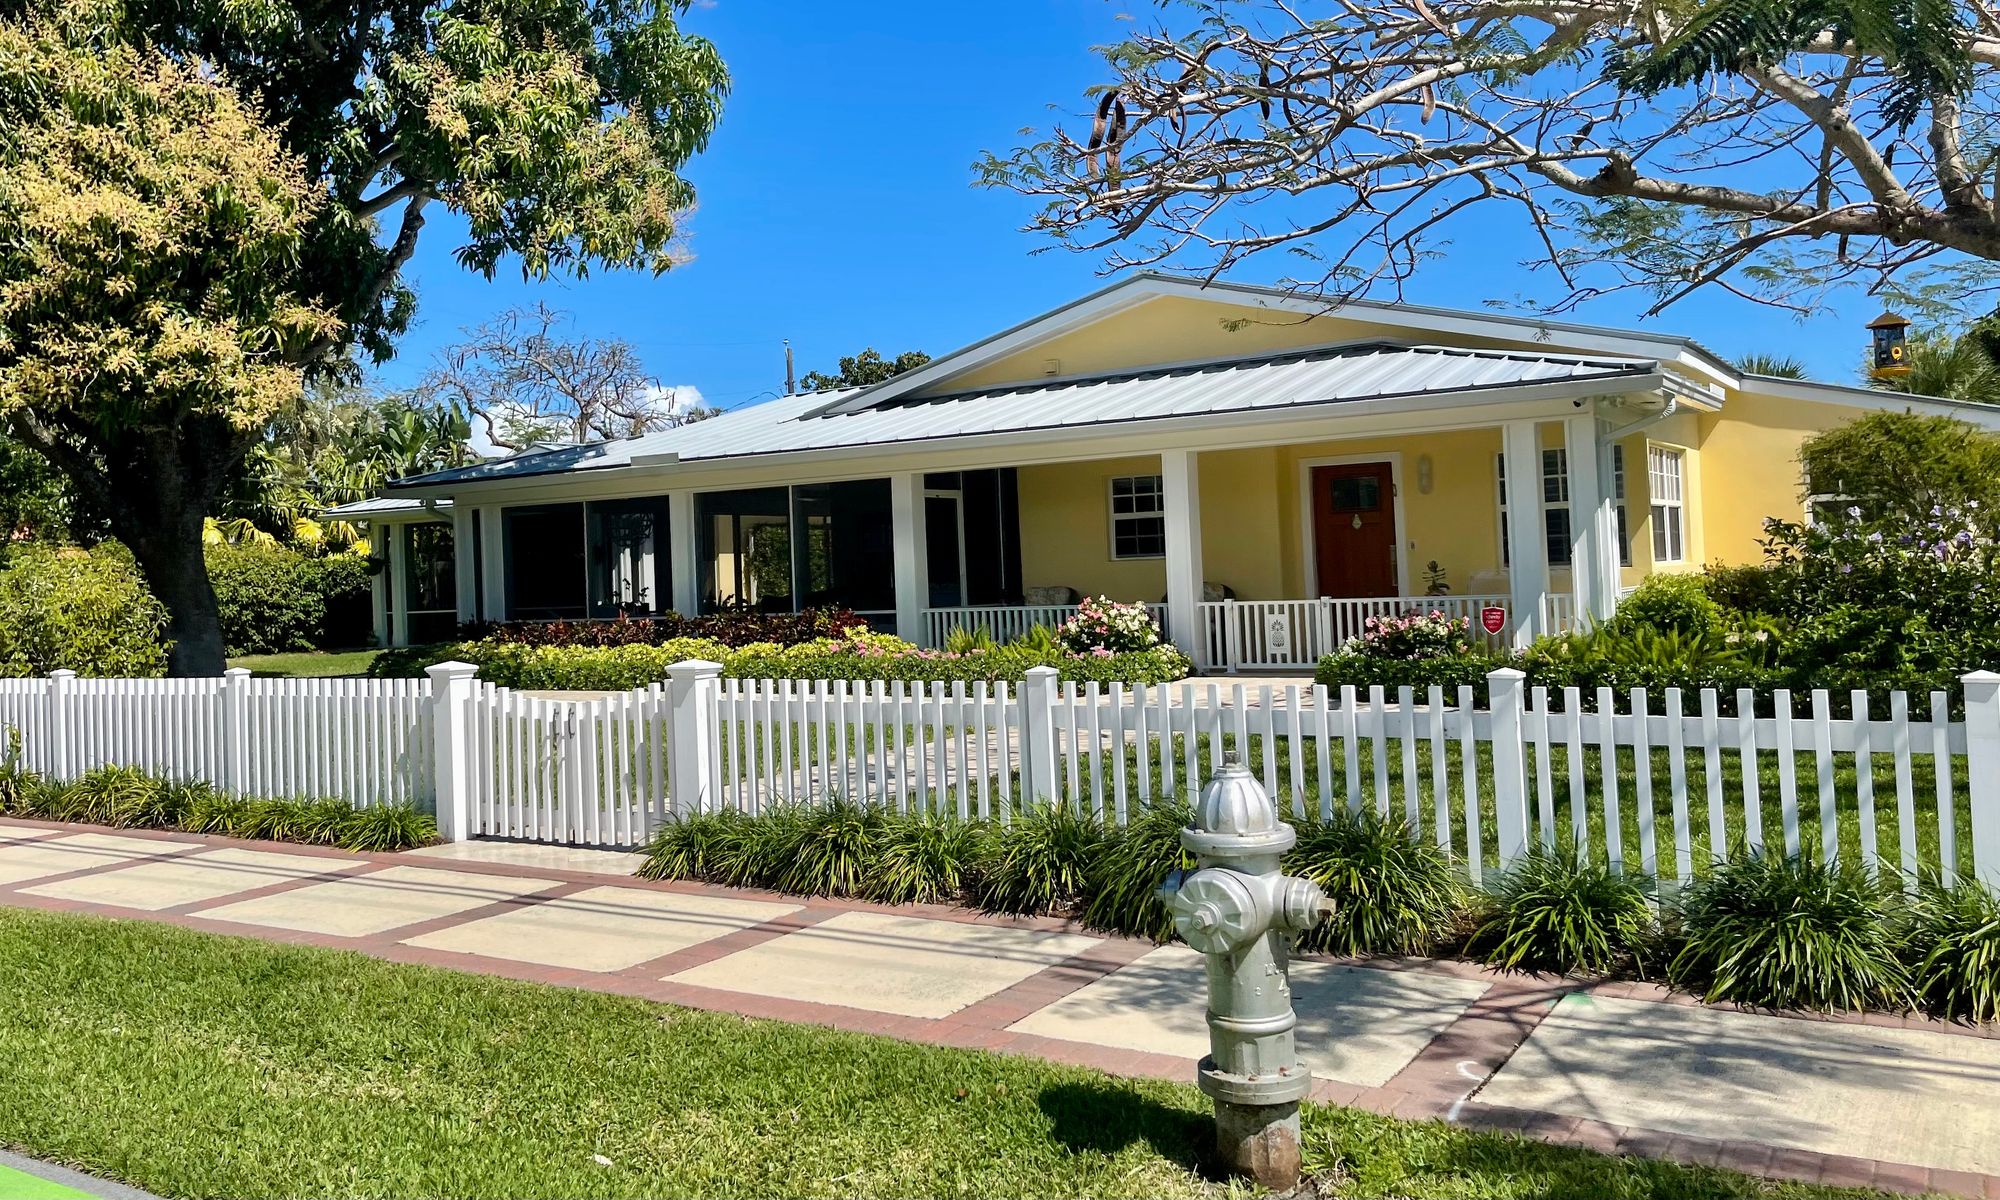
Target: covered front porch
{"type": "Point", "coordinates": [1268, 557]}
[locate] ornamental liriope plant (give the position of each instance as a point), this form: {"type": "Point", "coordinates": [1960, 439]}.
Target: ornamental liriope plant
{"type": "Point", "coordinates": [1559, 912]}
{"type": "Point", "coordinates": [833, 850]}
{"type": "Point", "coordinates": [1039, 864]}
{"type": "Point", "coordinates": [692, 845]}
{"type": "Point", "coordinates": [1953, 950]}
{"type": "Point", "coordinates": [924, 858]}
{"type": "Point", "coordinates": [1393, 892]}
{"type": "Point", "coordinates": [1137, 859]}
{"type": "Point", "coordinates": [1773, 931]}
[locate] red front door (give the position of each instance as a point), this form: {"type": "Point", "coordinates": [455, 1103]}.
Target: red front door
{"type": "Point", "coordinates": [1354, 529]}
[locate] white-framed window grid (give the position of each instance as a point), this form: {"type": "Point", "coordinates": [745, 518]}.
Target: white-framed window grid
{"type": "Point", "coordinates": [1666, 492]}
{"type": "Point", "coordinates": [1555, 506]}
{"type": "Point", "coordinates": [1138, 506]}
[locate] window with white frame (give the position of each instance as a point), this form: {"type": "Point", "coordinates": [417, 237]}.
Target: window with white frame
{"type": "Point", "coordinates": [1663, 479]}
{"type": "Point", "coordinates": [1138, 517]}
{"type": "Point", "coordinates": [1556, 506]}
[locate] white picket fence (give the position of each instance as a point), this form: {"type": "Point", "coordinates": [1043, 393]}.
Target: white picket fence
{"type": "Point", "coordinates": [1656, 786]}
{"type": "Point", "coordinates": [368, 741]}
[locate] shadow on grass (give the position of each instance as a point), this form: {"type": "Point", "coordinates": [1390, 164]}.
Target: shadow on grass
{"type": "Point", "coordinates": [1104, 1118]}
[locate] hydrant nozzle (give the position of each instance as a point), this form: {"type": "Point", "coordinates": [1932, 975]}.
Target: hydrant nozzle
{"type": "Point", "coordinates": [1238, 909]}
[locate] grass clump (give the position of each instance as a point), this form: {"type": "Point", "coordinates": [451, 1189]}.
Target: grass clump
{"type": "Point", "coordinates": [130, 798]}
{"type": "Point", "coordinates": [832, 850]}
{"type": "Point", "coordinates": [923, 859]}
{"type": "Point", "coordinates": [1136, 861]}
{"type": "Point", "coordinates": [1392, 891]}
{"type": "Point", "coordinates": [1954, 951]}
{"type": "Point", "coordinates": [692, 845]}
{"type": "Point", "coordinates": [1787, 932]}
{"type": "Point", "coordinates": [1559, 912]}
{"type": "Point", "coordinates": [1039, 864]}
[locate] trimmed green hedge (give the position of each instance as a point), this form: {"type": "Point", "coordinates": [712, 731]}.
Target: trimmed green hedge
{"type": "Point", "coordinates": [868, 657]}
{"type": "Point", "coordinates": [275, 601]}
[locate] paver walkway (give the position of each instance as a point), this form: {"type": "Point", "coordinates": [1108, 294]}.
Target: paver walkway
{"type": "Point", "coordinates": [1898, 1103]}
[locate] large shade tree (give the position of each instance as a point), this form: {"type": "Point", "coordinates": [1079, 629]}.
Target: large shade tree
{"type": "Point", "coordinates": [1776, 148]}
{"type": "Point", "coordinates": [148, 326]}
{"type": "Point", "coordinates": [555, 129]}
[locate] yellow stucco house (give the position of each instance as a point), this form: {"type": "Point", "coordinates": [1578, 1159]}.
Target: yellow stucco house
{"type": "Point", "coordinates": [1267, 470]}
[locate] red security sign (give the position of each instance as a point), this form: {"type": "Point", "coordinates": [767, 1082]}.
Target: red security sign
{"type": "Point", "coordinates": [1493, 620]}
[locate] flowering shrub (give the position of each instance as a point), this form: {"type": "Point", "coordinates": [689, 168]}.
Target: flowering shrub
{"type": "Point", "coordinates": [1940, 563]}
{"type": "Point", "coordinates": [1104, 627]}
{"type": "Point", "coordinates": [1416, 650]}
{"type": "Point", "coordinates": [1411, 636]}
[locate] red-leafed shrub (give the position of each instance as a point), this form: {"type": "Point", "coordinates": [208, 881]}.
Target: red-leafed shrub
{"type": "Point", "coordinates": [731, 629]}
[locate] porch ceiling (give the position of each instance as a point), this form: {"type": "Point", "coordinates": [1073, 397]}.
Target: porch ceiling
{"type": "Point", "coordinates": [1300, 380]}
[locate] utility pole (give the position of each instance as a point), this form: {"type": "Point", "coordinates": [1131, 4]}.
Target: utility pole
{"type": "Point", "coordinates": [791, 380]}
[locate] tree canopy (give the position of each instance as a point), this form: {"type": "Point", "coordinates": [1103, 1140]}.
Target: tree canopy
{"type": "Point", "coordinates": [149, 323]}
{"type": "Point", "coordinates": [214, 202]}
{"type": "Point", "coordinates": [863, 370]}
{"type": "Point", "coordinates": [1773, 148]}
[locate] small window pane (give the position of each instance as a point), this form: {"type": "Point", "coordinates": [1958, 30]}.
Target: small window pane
{"type": "Point", "coordinates": [1138, 526]}
{"type": "Point", "coordinates": [1357, 493]}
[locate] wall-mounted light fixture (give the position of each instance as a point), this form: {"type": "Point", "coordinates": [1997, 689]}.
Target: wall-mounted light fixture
{"type": "Point", "coordinates": [1424, 474]}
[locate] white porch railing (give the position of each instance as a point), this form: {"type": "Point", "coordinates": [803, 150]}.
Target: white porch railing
{"type": "Point", "coordinates": [1004, 621]}
{"type": "Point", "coordinates": [1263, 635]}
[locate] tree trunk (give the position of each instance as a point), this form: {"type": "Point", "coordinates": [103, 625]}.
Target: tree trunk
{"type": "Point", "coordinates": [177, 571]}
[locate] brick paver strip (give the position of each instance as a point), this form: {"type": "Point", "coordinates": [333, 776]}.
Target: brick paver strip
{"type": "Point", "coordinates": [1439, 1082]}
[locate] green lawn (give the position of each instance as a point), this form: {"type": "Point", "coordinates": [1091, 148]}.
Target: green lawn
{"type": "Point", "coordinates": [196, 1065]}
{"type": "Point", "coordinates": [324, 664]}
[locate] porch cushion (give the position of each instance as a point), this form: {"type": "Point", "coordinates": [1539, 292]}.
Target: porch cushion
{"type": "Point", "coordinates": [1043, 596]}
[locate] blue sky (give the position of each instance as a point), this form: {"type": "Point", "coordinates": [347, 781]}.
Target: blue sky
{"type": "Point", "coordinates": [837, 209]}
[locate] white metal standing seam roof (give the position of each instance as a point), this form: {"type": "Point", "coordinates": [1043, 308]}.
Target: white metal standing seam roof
{"type": "Point", "coordinates": [1326, 376]}
{"type": "Point", "coordinates": [385, 506]}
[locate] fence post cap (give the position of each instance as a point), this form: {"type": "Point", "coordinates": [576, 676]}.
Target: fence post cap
{"type": "Point", "coordinates": [237, 673]}
{"type": "Point", "coordinates": [62, 673]}
{"type": "Point", "coordinates": [1980, 678]}
{"type": "Point", "coordinates": [1507, 674]}
{"type": "Point", "coordinates": [695, 668]}
{"type": "Point", "coordinates": [447, 671]}
{"type": "Point", "coordinates": [1041, 672]}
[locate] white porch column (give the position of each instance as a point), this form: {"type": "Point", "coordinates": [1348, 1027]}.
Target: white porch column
{"type": "Point", "coordinates": [378, 583]}
{"type": "Point", "coordinates": [1589, 491]}
{"type": "Point", "coordinates": [1180, 485]}
{"type": "Point", "coordinates": [1527, 537]}
{"type": "Point", "coordinates": [492, 564]}
{"type": "Point", "coordinates": [913, 586]}
{"type": "Point", "coordinates": [683, 558]}
{"type": "Point", "coordinates": [1609, 550]}
{"type": "Point", "coordinates": [463, 562]}
{"type": "Point", "coordinates": [399, 584]}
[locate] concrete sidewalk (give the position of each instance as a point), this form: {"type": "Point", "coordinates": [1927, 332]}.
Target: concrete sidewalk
{"type": "Point", "coordinates": [23, 1178]}
{"type": "Point", "coordinates": [1898, 1103]}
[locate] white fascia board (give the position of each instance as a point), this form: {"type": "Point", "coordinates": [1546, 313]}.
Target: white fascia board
{"type": "Point", "coordinates": [1986, 416]}
{"type": "Point", "coordinates": [1387, 417]}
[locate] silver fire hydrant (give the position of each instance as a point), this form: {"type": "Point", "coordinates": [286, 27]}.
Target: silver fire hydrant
{"type": "Point", "coordinates": [1240, 911]}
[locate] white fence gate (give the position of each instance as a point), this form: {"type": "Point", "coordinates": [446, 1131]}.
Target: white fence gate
{"type": "Point", "coordinates": [1653, 785]}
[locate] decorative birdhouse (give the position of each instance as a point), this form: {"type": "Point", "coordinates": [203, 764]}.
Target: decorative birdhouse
{"type": "Point", "coordinates": [1890, 349]}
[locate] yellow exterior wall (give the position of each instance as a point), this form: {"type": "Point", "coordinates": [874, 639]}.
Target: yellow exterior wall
{"type": "Point", "coordinates": [1066, 530]}
{"type": "Point", "coordinates": [1740, 466]}
{"type": "Point", "coordinates": [1170, 329]}
{"type": "Point", "coordinates": [1750, 456]}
